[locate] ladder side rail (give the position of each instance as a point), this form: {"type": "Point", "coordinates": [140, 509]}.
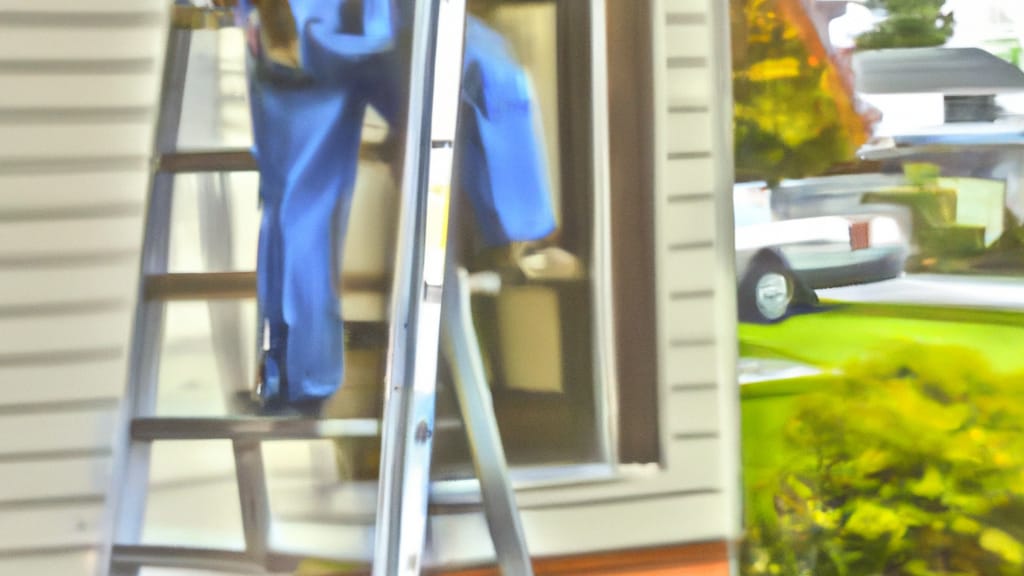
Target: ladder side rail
{"type": "Point", "coordinates": [476, 406]}
{"type": "Point", "coordinates": [403, 302]}
{"type": "Point", "coordinates": [130, 468]}
{"type": "Point", "coordinates": [436, 66]}
{"type": "Point", "coordinates": [253, 498]}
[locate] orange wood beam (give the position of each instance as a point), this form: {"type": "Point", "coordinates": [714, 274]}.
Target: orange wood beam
{"type": "Point", "coordinates": [705, 559]}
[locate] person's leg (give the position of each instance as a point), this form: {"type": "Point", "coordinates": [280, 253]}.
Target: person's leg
{"type": "Point", "coordinates": [319, 135]}
{"type": "Point", "coordinates": [502, 162]}
{"type": "Point", "coordinates": [271, 329]}
{"type": "Point", "coordinates": [307, 126]}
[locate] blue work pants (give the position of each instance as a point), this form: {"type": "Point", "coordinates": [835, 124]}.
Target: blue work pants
{"type": "Point", "coordinates": [307, 129]}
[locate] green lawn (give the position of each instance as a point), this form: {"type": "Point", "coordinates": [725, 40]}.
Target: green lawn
{"type": "Point", "coordinates": [834, 337]}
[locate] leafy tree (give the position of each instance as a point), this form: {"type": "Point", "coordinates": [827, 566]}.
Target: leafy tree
{"type": "Point", "coordinates": [793, 115]}
{"type": "Point", "coordinates": [910, 24]}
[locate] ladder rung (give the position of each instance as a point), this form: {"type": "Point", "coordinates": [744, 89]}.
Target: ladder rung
{"type": "Point", "coordinates": [236, 285]}
{"type": "Point", "coordinates": [251, 428]}
{"type": "Point", "coordinates": [191, 558]}
{"type": "Point", "coordinates": [242, 160]}
{"type": "Point", "coordinates": [185, 558]}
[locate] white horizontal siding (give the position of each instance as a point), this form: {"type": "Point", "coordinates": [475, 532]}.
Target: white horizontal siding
{"type": "Point", "coordinates": [693, 287]}
{"type": "Point", "coordinates": [687, 222]}
{"type": "Point", "coordinates": [694, 413]}
{"type": "Point", "coordinates": [686, 6]}
{"type": "Point", "coordinates": [73, 431]}
{"type": "Point", "coordinates": [102, 282]}
{"type": "Point", "coordinates": [65, 43]}
{"type": "Point", "coordinates": [77, 89]}
{"type": "Point", "coordinates": [689, 86]}
{"type": "Point", "coordinates": [688, 322]}
{"type": "Point", "coordinates": [97, 89]}
{"type": "Point", "coordinates": [692, 366]}
{"type": "Point", "coordinates": [30, 334]}
{"type": "Point", "coordinates": [692, 266]}
{"type": "Point", "coordinates": [687, 177]}
{"type": "Point", "coordinates": [69, 477]}
{"type": "Point", "coordinates": [35, 192]}
{"type": "Point", "coordinates": [80, 6]}
{"type": "Point", "coordinates": [97, 375]}
{"type": "Point", "coordinates": [70, 238]}
{"type": "Point", "coordinates": [59, 525]}
{"type": "Point", "coordinates": [95, 140]}
{"type": "Point", "coordinates": [688, 35]}
{"type": "Point", "coordinates": [691, 133]}
{"type": "Point", "coordinates": [696, 462]}
{"type": "Point", "coordinates": [71, 563]}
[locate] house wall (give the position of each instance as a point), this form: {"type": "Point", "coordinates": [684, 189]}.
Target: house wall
{"type": "Point", "coordinates": [78, 83]}
{"type": "Point", "coordinates": [695, 278]}
{"type": "Point", "coordinates": [693, 496]}
{"type": "Point", "coordinates": [77, 87]}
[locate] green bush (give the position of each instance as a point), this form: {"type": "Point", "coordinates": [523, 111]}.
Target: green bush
{"type": "Point", "coordinates": [933, 212]}
{"type": "Point", "coordinates": [929, 207]}
{"type": "Point", "coordinates": [912, 464]}
{"type": "Point", "coordinates": [952, 241]}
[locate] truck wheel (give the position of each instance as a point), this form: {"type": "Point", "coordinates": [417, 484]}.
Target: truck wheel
{"type": "Point", "coordinates": [766, 293]}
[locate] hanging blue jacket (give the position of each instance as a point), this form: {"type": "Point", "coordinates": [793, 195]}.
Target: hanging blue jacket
{"type": "Point", "coordinates": [307, 130]}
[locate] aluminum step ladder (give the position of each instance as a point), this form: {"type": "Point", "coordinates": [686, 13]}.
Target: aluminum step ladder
{"type": "Point", "coordinates": [424, 279]}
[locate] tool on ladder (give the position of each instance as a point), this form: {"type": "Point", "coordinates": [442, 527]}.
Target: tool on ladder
{"type": "Point", "coordinates": [424, 280]}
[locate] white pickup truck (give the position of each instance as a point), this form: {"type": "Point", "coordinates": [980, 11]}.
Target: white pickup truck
{"type": "Point", "coordinates": [781, 262]}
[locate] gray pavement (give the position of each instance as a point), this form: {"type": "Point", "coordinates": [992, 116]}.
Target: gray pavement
{"type": "Point", "coordinates": [937, 290]}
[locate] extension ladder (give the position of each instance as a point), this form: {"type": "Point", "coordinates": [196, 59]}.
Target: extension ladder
{"type": "Point", "coordinates": [425, 282]}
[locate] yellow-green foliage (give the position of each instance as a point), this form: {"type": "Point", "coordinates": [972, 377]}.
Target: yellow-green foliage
{"type": "Point", "coordinates": [913, 463]}
{"type": "Point", "coordinates": [933, 210]}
